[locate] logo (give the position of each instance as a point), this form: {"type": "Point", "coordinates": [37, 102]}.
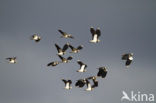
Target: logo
{"type": "Point", "coordinates": [137, 97]}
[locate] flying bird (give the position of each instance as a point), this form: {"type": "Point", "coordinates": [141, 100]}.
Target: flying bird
{"type": "Point", "coordinates": [102, 72]}
{"type": "Point", "coordinates": [65, 60]}
{"type": "Point", "coordinates": [89, 87]}
{"type": "Point", "coordinates": [95, 35]}
{"type": "Point", "coordinates": [65, 35]}
{"type": "Point", "coordinates": [36, 38]}
{"type": "Point", "coordinates": [80, 83]}
{"type": "Point", "coordinates": [82, 66]}
{"type": "Point", "coordinates": [55, 63]}
{"type": "Point", "coordinates": [63, 50]}
{"type": "Point", "coordinates": [67, 84]}
{"type": "Point", "coordinates": [12, 60]}
{"type": "Point", "coordinates": [128, 57]}
{"type": "Point", "coordinates": [75, 50]}
{"type": "Point", "coordinates": [93, 78]}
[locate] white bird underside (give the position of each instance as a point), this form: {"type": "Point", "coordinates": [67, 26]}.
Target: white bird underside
{"type": "Point", "coordinates": [95, 39]}
{"type": "Point", "coordinates": [67, 86]}
{"type": "Point", "coordinates": [130, 58]}
{"type": "Point", "coordinates": [60, 53]}
{"type": "Point", "coordinates": [82, 69]}
{"type": "Point", "coordinates": [12, 61]}
{"type": "Point", "coordinates": [89, 87]}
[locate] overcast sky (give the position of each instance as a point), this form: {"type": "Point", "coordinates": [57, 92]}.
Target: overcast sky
{"type": "Point", "coordinates": [126, 26]}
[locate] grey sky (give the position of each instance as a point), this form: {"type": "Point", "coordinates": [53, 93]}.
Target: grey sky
{"type": "Point", "coordinates": [126, 26]}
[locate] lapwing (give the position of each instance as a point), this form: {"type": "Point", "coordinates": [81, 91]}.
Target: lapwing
{"type": "Point", "coordinates": [76, 50]}
{"type": "Point", "coordinates": [55, 63]}
{"type": "Point", "coordinates": [36, 38]}
{"type": "Point", "coordinates": [128, 57]}
{"type": "Point", "coordinates": [82, 66]}
{"type": "Point", "coordinates": [12, 60]}
{"type": "Point", "coordinates": [63, 50]}
{"type": "Point", "coordinates": [65, 35]}
{"type": "Point", "coordinates": [80, 83]}
{"type": "Point", "coordinates": [67, 84]}
{"type": "Point", "coordinates": [94, 81]}
{"type": "Point", "coordinates": [89, 87]}
{"type": "Point", "coordinates": [102, 72]}
{"type": "Point", "coordinates": [65, 60]}
{"type": "Point", "coordinates": [95, 35]}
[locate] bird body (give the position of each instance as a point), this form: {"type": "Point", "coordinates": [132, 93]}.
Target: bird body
{"type": "Point", "coordinates": [36, 38]}
{"type": "Point", "coordinates": [102, 72]}
{"type": "Point", "coordinates": [80, 83]}
{"type": "Point", "coordinates": [12, 60]}
{"type": "Point", "coordinates": [95, 35]}
{"type": "Point", "coordinates": [76, 50]}
{"type": "Point", "coordinates": [62, 51]}
{"type": "Point", "coordinates": [65, 35]}
{"type": "Point", "coordinates": [82, 66]}
{"type": "Point", "coordinates": [65, 60]}
{"type": "Point", "coordinates": [55, 63]}
{"type": "Point", "coordinates": [128, 57]}
{"type": "Point", "coordinates": [67, 84]}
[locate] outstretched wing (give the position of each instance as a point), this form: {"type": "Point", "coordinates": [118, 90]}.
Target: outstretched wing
{"type": "Point", "coordinates": [65, 47]}
{"type": "Point", "coordinates": [98, 32]}
{"type": "Point", "coordinates": [80, 47]}
{"type": "Point", "coordinates": [64, 81]}
{"type": "Point", "coordinates": [50, 64]}
{"type": "Point", "coordinates": [92, 32]}
{"type": "Point", "coordinates": [80, 62]}
{"type": "Point", "coordinates": [60, 57]}
{"type": "Point", "coordinates": [125, 57]}
{"type": "Point", "coordinates": [69, 58]}
{"type": "Point", "coordinates": [71, 47]}
{"type": "Point", "coordinates": [58, 48]}
{"type": "Point", "coordinates": [61, 32]}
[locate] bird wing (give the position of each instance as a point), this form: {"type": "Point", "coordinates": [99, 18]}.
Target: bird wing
{"type": "Point", "coordinates": [69, 58]}
{"type": "Point", "coordinates": [57, 47]}
{"type": "Point", "coordinates": [125, 57]}
{"type": "Point", "coordinates": [49, 63]}
{"type": "Point", "coordinates": [98, 32]}
{"type": "Point", "coordinates": [63, 33]}
{"type": "Point", "coordinates": [65, 47]}
{"type": "Point", "coordinates": [80, 63]}
{"type": "Point", "coordinates": [61, 57]}
{"type": "Point", "coordinates": [64, 81]}
{"type": "Point", "coordinates": [92, 30]}
{"type": "Point", "coordinates": [71, 47]}
{"type": "Point", "coordinates": [80, 47]}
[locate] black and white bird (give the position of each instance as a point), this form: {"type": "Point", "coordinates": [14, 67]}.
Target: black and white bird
{"type": "Point", "coordinates": [80, 83]}
{"type": "Point", "coordinates": [128, 57]}
{"type": "Point", "coordinates": [63, 50]}
{"type": "Point", "coordinates": [95, 35]}
{"type": "Point", "coordinates": [55, 63]}
{"type": "Point", "coordinates": [93, 78]}
{"type": "Point", "coordinates": [67, 84]}
{"type": "Point", "coordinates": [36, 38]}
{"type": "Point", "coordinates": [65, 35]}
{"type": "Point", "coordinates": [12, 60]}
{"type": "Point", "coordinates": [89, 86]}
{"type": "Point", "coordinates": [65, 60]}
{"type": "Point", "coordinates": [102, 72]}
{"type": "Point", "coordinates": [75, 50]}
{"type": "Point", "coordinates": [82, 66]}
